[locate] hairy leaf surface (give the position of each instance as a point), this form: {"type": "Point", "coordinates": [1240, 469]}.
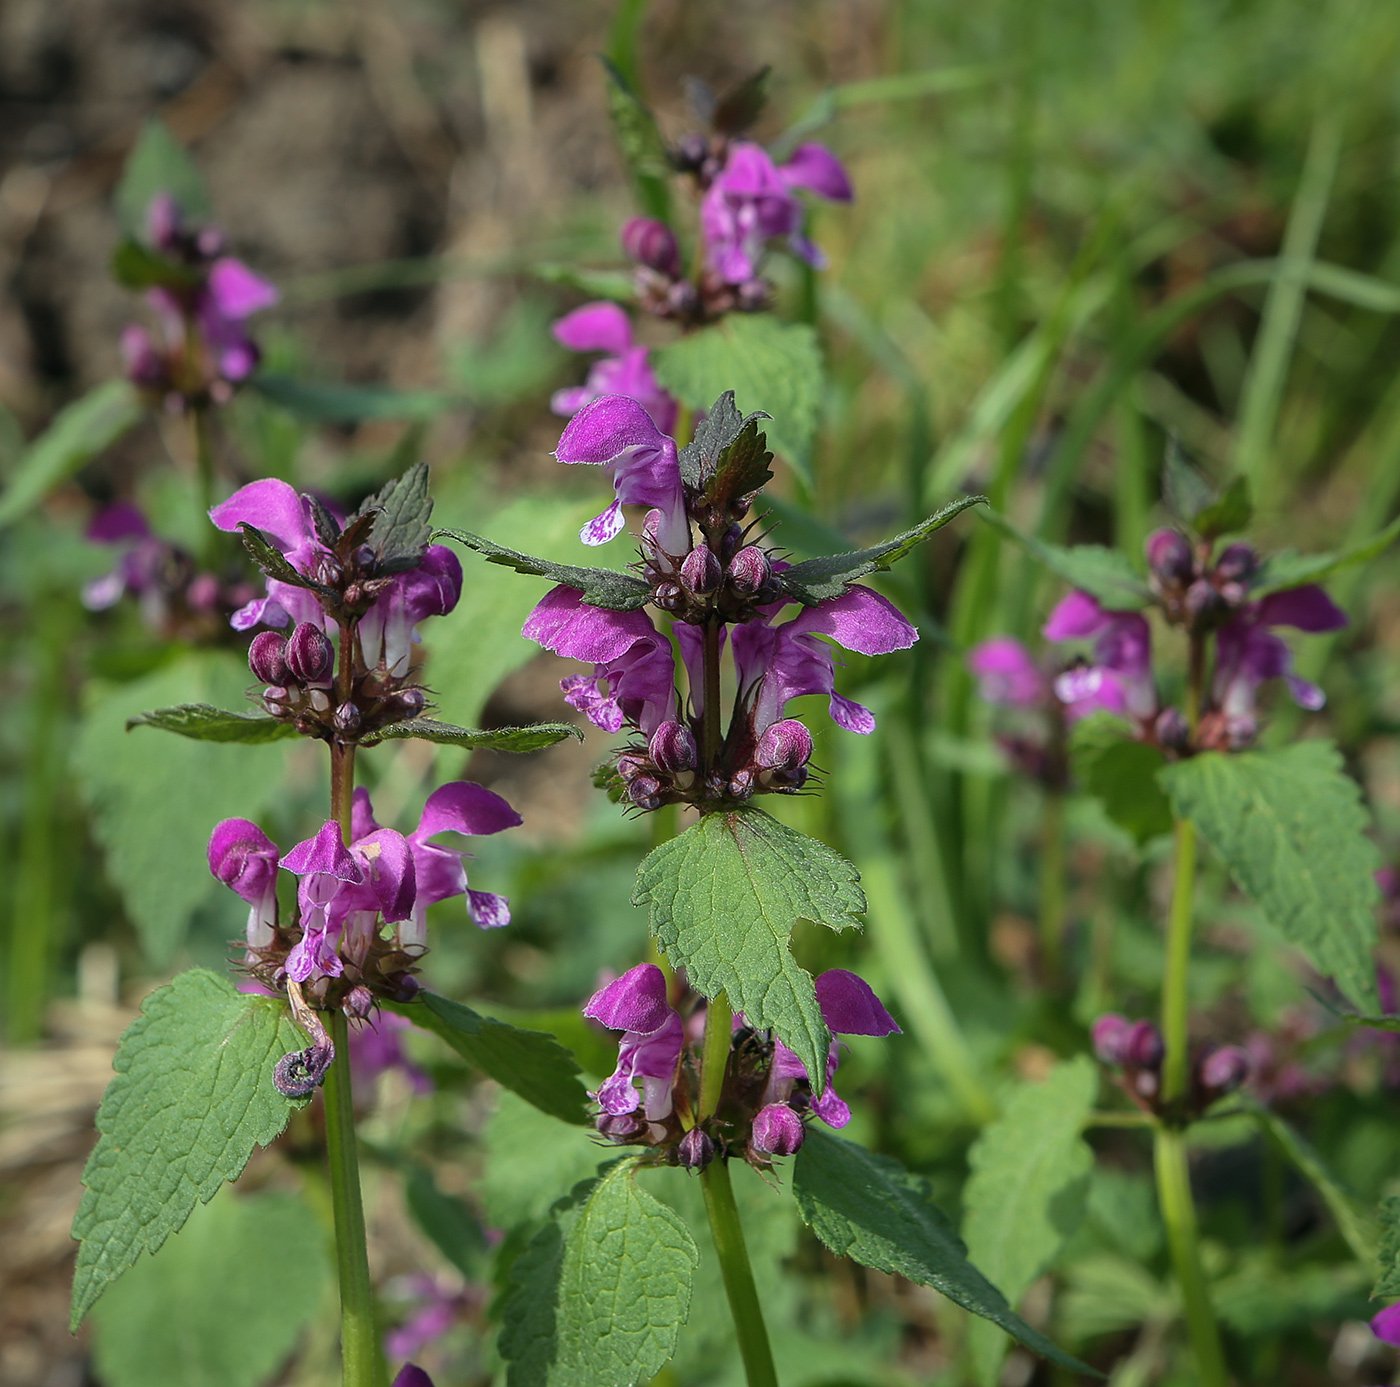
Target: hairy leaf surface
{"type": "Point", "coordinates": [601, 587]}
{"type": "Point", "coordinates": [202, 722]}
{"type": "Point", "coordinates": [519, 739]}
{"type": "Point", "coordinates": [402, 512]}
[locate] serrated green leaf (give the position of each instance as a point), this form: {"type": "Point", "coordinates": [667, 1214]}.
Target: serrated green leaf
{"type": "Point", "coordinates": [193, 1095]}
{"type": "Point", "coordinates": [724, 896]}
{"type": "Point", "coordinates": [155, 800]}
{"type": "Point", "coordinates": [1228, 515]}
{"type": "Point", "coordinates": [158, 164]}
{"type": "Point", "coordinates": [135, 266]}
{"type": "Point", "coordinates": [716, 432]}
{"type": "Point", "coordinates": [1290, 569]}
{"type": "Point", "coordinates": [740, 470]}
{"type": "Point", "coordinates": [446, 1222]}
{"type": "Point", "coordinates": [820, 579]}
{"type": "Point", "coordinates": [496, 738]}
{"type": "Point", "coordinates": [529, 1063]}
{"type": "Point", "coordinates": [1026, 1193]}
{"type": "Point", "coordinates": [601, 587]}
{"type": "Point", "coordinates": [224, 1303]}
{"type": "Point", "coordinates": [338, 402]}
{"type": "Point", "coordinates": [204, 723]}
{"type": "Point", "coordinates": [1184, 489]}
{"type": "Point", "coordinates": [402, 511]}
{"type": "Point", "coordinates": [274, 563]}
{"type": "Point", "coordinates": [1290, 826]}
{"type": "Point", "coordinates": [602, 1291]}
{"type": "Point", "coordinates": [78, 433]}
{"type": "Point", "coordinates": [1102, 573]}
{"type": "Point", "coordinates": [640, 144]}
{"type": "Point", "coordinates": [772, 365]}
{"type": "Point", "coordinates": [1388, 1282]}
{"type": "Point", "coordinates": [1122, 773]}
{"type": "Point", "coordinates": [871, 1209]}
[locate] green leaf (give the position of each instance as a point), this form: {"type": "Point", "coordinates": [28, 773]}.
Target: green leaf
{"type": "Point", "coordinates": [154, 800]}
{"type": "Point", "coordinates": [1026, 1193]}
{"type": "Point", "coordinates": [601, 1293]}
{"type": "Point", "coordinates": [446, 1221]}
{"type": "Point", "coordinates": [1103, 573]}
{"type": "Point", "coordinates": [1228, 515]}
{"type": "Point", "coordinates": [871, 1209]}
{"type": "Point", "coordinates": [203, 723]}
{"type": "Point", "coordinates": [617, 285]}
{"type": "Point", "coordinates": [1388, 1283]}
{"type": "Point", "coordinates": [640, 143]}
{"type": "Point", "coordinates": [1184, 489]}
{"type": "Point", "coordinates": [534, 738]}
{"type": "Point", "coordinates": [1290, 569]}
{"type": "Point", "coordinates": [1122, 773]}
{"type": "Point", "coordinates": [78, 433]}
{"type": "Point", "coordinates": [274, 563]}
{"type": "Point", "coordinates": [158, 164]}
{"type": "Point", "coordinates": [774, 366]}
{"type": "Point", "coordinates": [724, 897]}
{"type": "Point", "coordinates": [1353, 1222]}
{"type": "Point", "coordinates": [135, 266]}
{"type": "Point", "coordinates": [715, 435]}
{"type": "Point", "coordinates": [337, 402]}
{"type": "Point", "coordinates": [601, 587]}
{"type": "Point", "coordinates": [529, 1063]}
{"type": "Point", "coordinates": [193, 1095]}
{"type": "Point", "coordinates": [402, 511]}
{"type": "Point", "coordinates": [739, 107]}
{"type": "Point", "coordinates": [1291, 828]}
{"type": "Point", "coordinates": [820, 579]}
{"type": "Point", "coordinates": [225, 1302]}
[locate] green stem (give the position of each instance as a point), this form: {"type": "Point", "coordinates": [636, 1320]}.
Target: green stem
{"type": "Point", "coordinates": [714, 1058]}
{"type": "Point", "coordinates": [1175, 993]}
{"type": "Point", "coordinates": [1179, 1216]}
{"type": "Point", "coordinates": [361, 1361]}
{"type": "Point", "coordinates": [728, 1235]}
{"type": "Point", "coordinates": [1052, 886]}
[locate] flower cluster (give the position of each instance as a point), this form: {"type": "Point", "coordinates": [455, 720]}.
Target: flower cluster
{"type": "Point", "coordinates": [767, 1092]}
{"type": "Point", "coordinates": [718, 588]}
{"type": "Point", "coordinates": [346, 592]}
{"type": "Point", "coordinates": [361, 918]}
{"type": "Point", "coordinates": [201, 298]}
{"type": "Point", "coordinates": [1136, 1050]}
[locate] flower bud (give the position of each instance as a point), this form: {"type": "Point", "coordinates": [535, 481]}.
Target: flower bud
{"type": "Point", "coordinates": [652, 243]}
{"type": "Point", "coordinates": [786, 746]}
{"type": "Point", "coordinates": [310, 655]}
{"type": "Point", "coordinates": [645, 792]}
{"type": "Point", "coordinates": [682, 298]}
{"type": "Point", "coordinates": [1110, 1035]}
{"type": "Point", "coordinates": [410, 702]}
{"type": "Point", "coordinates": [741, 783]}
{"type": "Point", "coordinates": [1169, 557]}
{"type": "Point", "coordinates": [672, 748]}
{"type": "Point", "coordinates": [1237, 563]}
{"type": "Point", "coordinates": [690, 152]}
{"type": "Point", "coordinates": [695, 1151]}
{"type": "Point", "coordinates": [1143, 1047]}
{"type": "Point", "coordinates": [630, 766]}
{"type": "Point", "coordinates": [1173, 731]}
{"type": "Point", "coordinates": [267, 658]}
{"type": "Point", "coordinates": [752, 295]}
{"type": "Point", "coordinates": [1202, 600]}
{"type": "Point", "coordinates": [358, 1003]}
{"type": "Point", "coordinates": [1224, 1070]}
{"type": "Point", "coordinates": [667, 596]}
{"type": "Point", "coordinates": [203, 594]}
{"type": "Point", "coordinates": [619, 1126]}
{"type": "Point", "coordinates": [404, 987]}
{"type": "Point", "coordinates": [701, 571]}
{"type": "Point", "coordinates": [347, 719]}
{"type": "Point", "coordinates": [749, 570]}
{"type": "Point", "coordinates": [777, 1131]}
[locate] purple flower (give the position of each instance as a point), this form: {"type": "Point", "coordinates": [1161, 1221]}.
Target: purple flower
{"type": "Point", "coordinates": [634, 678]}
{"type": "Point", "coordinates": [434, 588]}
{"type": "Point", "coordinates": [778, 663]}
{"type": "Point", "coordinates": [1247, 653]}
{"type": "Point", "coordinates": [650, 1047]}
{"type": "Point", "coordinates": [1007, 674]}
{"type": "Point", "coordinates": [411, 1375]}
{"type": "Point", "coordinates": [616, 432]}
{"type": "Point", "coordinates": [438, 1309]}
{"type": "Point", "coordinates": [1120, 678]}
{"type": "Point", "coordinates": [325, 865]}
{"type": "Point", "coordinates": [376, 1047]}
{"type": "Point", "coordinates": [604, 327]}
{"type": "Point", "coordinates": [751, 202]}
{"type": "Point", "coordinates": [245, 859]}
{"type": "Point", "coordinates": [1386, 1325]}
{"type": "Point", "coordinates": [849, 1006]}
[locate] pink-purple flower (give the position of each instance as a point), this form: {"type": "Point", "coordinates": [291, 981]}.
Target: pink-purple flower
{"type": "Point", "coordinates": [624, 370]}
{"type": "Point", "coordinates": [651, 1045]}
{"type": "Point", "coordinates": [1119, 679]}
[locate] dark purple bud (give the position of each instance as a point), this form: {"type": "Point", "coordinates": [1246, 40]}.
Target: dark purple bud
{"type": "Point", "coordinates": [651, 243]}
{"type": "Point", "coordinates": [1237, 563]}
{"type": "Point", "coordinates": [672, 748]}
{"type": "Point", "coordinates": [1202, 600]}
{"type": "Point", "coordinates": [411, 1375]}
{"type": "Point", "coordinates": [777, 1131]}
{"type": "Point", "coordinates": [299, 1074]}
{"type": "Point", "coordinates": [644, 791]}
{"type": "Point", "coordinates": [276, 697]}
{"type": "Point", "coordinates": [749, 570]}
{"type": "Point", "coordinates": [1173, 731]}
{"type": "Point", "coordinates": [752, 295]}
{"type": "Point", "coordinates": [358, 1003]}
{"type": "Point", "coordinates": [1143, 1047]}
{"type": "Point", "coordinates": [410, 702]}
{"type": "Point", "coordinates": [682, 298]}
{"type": "Point", "coordinates": [690, 152]}
{"type": "Point", "coordinates": [741, 784]}
{"type": "Point", "coordinates": [1169, 557]}
{"type": "Point", "coordinates": [403, 987]}
{"type": "Point", "coordinates": [701, 571]}
{"type": "Point", "coordinates": [786, 746]}
{"type": "Point", "coordinates": [695, 1151]}
{"type": "Point", "coordinates": [1224, 1070]}
{"type": "Point", "coordinates": [619, 1126]}
{"type": "Point", "coordinates": [327, 571]}
{"type": "Point", "coordinates": [364, 557]}
{"type": "Point", "coordinates": [209, 242]}
{"type": "Point", "coordinates": [310, 655]}
{"type": "Point", "coordinates": [1110, 1036]}
{"type": "Point", "coordinates": [667, 596]}
{"type": "Point", "coordinates": [267, 658]}
{"type": "Point", "coordinates": [629, 767]}
{"type": "Point", "coordinates": [347, 719]}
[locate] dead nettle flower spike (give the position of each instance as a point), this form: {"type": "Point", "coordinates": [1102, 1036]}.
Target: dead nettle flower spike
{"type": "Point", "coordinates": [716, 587]}
{"type": "Point", "coordinates": [768, 1091]}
